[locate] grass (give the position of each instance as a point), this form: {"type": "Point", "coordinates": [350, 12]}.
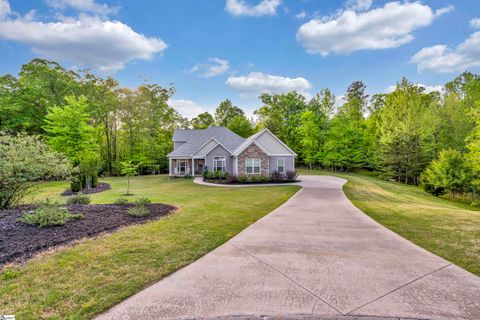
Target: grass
{"type": "Point", "coordinates": [80, 281]}
{"type": "Point", "coordinates": [447, 228]}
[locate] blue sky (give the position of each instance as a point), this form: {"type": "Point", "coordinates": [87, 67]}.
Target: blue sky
{"type": "Point", "coordinates": [217, 49]}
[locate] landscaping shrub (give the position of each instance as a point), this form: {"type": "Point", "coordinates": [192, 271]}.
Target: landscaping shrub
{"type": "Point", "coordinates": [142, 201]}
{"type": "Point", "coordinates": [76, 183]}
{"type": "Point", "coordinates": [232, 179]}
{"type": "Point", "coordinates": [23, 160]}
{"type": "Point", "coordinates": [122, 201]}
{"type": "Point", "coordinates": [215, 176]}
{"type": "Point", "coordinates": [276, 176]}
{"type": "Point", "coordinates": [49, 214]}
{"type": "Point", "coordinates": [79, 199]}
{"type": "Point", "coordinates": [138, 211]}
{"type": "Point", "coordinates": [94, 180]}
{"type": "Point", "coordinates": [243, 178]}
{"type": "Point", "coordinates": [291, 175]}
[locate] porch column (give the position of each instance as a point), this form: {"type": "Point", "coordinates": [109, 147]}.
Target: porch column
{"type": "Point", "coordinates": [170, 167]}
{"type": "Point", "coordinates": [193, 166]}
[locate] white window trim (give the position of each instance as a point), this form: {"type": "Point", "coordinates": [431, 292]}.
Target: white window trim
{"type": "Point", "coordinates": [178, 166]}
{"type": "Point", "coordinates": [283, 165]}
{"type": "Point", "coordinates": [224, 167]}
{"type": "Point", "coordinates": [253, 167]}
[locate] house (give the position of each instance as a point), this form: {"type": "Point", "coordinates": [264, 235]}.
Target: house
{"type": "Point", "coordinates": [219, 149]}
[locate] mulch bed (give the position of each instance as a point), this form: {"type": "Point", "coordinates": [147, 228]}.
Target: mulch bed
{"type": "Point", "coordinates": [101, 186]}
{"type": "Point", "coordinates": [20, 241]}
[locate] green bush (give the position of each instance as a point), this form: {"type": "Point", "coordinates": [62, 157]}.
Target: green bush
{"type": "Point", "coordinates": [122, 201]}
{"type": "Point", "coordinates": [475, 203]}
{"type": "Point", "coordinates": [49, 214]}
{"type": "Point", "coordinates": [23, 160]}
{"type": "Point", "coordinates": [139, 211]}
{"type": "Point", "coordinates": [263, 178]}
{"type": "Point", "coordinates": [79, 199]}
{"type": "Point", "coordinates": [142, 201]}
{"type": "Point", "coordinates": [94, 180]}
{"type": "Point", "coordinates": [243, 178]}
{"type": "Point", "coordinates": [449, 173]}
{"type": "Point", "coordinates": [76, 183]}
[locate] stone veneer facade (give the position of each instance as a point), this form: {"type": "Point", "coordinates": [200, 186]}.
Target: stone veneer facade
{"type": "Point", "coordinates": [253, 151]}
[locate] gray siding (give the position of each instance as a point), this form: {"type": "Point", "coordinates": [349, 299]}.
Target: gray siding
{"type": "Point", "coordinates": [269, 142]}
{"type": "Point", "coordinates": [219, 151]}
{"type": "Point", "coordinates": [289, 162]}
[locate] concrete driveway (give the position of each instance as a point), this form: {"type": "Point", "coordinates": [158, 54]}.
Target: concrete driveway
{"type": "Point", "coordinates": [315, 257]}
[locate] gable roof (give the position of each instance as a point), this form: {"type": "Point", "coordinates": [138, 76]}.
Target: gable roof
{"type": "Point", "coordinates": [253, 139]}
{"type": "Point", "coordinates": [197, 138]}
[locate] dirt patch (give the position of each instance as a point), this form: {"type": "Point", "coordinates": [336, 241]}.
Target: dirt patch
{"type": "Point", "coordinates": [19, 241]}
{"type": "Point", "coordinates": [101, 186]}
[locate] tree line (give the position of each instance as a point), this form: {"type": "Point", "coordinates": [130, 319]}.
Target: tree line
{"type": "Point", "coordinates": [408, 135]}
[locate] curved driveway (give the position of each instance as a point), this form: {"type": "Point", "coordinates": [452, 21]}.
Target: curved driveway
{"type": "Point", "coordinates": [316, 255]}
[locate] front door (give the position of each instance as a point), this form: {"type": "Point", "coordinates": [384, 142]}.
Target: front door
{"type": "Point", "coordinates": [200, 167]}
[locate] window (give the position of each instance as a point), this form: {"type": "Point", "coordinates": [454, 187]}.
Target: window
{"type": "Point", "coordinates": [281, 165]}
{"type": "Point", "coordinates": [218, 164]}
{"type": "Point", "coordinates": [253, 166]}
{"type": "Point", "coordinates": [181, 166]}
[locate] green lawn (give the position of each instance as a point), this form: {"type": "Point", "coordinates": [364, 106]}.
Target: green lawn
{"type": "Point", "coordinates": [80, 281]}
{"type": "Point", "coordinates": [446, 228]}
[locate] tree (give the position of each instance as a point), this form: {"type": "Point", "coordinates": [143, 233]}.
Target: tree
{"type": "Point", "coordinates": [68, 128]}
{"type": "Point", "coordinates": [225, 112]}
{"type": "Point", "coordinates": [41, 85]}
{"type": "Point", "coordinates": [23, 160]}
{"type": "Point", "coordinates": [311, 137]}
{"type": "Point", "coordinates": [281, 115]}
{"type": "Point", "coordinates": [241, 126]}
{"type": "Point", "coordinates": [203, 121]}
{"type": "Point", "coordinates": [449, 173]}
{"type": "Point", "coordinates": [407, 126]}
{"type": "Point", "coordinates": [128, 169]}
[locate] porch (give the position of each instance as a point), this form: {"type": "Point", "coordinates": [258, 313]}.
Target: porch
{"type": "Point", "coordinates": [183, 167]}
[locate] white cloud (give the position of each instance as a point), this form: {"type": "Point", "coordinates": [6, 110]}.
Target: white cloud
{"type": "Point", "coordinates": [186, 108]}
{"type": "Point", "coordinates": [83, 6]}
{"type": "Point", "coordinates": [263, 8]}
{"type": "Point", "coordinates": [258, 82]}
{"type": "Point", "coordinates": [85, 40]}
{"type": "Point", "coordinates": [4, 9]}
{"type": "Point", "coordinates": [381, 28]}
{"type": "Point", "coordinates": [428, 89]}
{"type": "Point", "coordinates": [215, 67]}
{"type": "Point", "coordinates": [443, 59]}
{"type": "Point", "coordinates": [301, 15]}
{"type": "Point", "coordinates": [474, 23]}
{"type": "Point", "coordinates": [359, 5]}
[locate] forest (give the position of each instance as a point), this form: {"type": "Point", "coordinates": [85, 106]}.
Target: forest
{"type": "Point", "coordinates": [408, 135]}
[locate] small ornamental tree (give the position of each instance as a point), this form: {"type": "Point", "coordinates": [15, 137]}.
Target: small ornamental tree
{"type": "Point", "coordinates": [89, 162]}
{"type": "Point", "coordinates": [23, 160]}
{"type": "Point", "coordinates": [449, 173]}
{"type": "Point", "coordinates": [128, 169]}
{"type": "Point", "coordinates": [69, 131]}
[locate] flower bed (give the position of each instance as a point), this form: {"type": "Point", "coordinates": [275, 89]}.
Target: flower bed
{"type": "Point", "coordinates": [274, 177]}
{"type": "Point", "coordinates": [19, 241]}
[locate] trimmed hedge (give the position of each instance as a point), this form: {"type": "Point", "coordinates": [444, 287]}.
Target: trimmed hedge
{"type": "Point", "coordinates": [274, 177]}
